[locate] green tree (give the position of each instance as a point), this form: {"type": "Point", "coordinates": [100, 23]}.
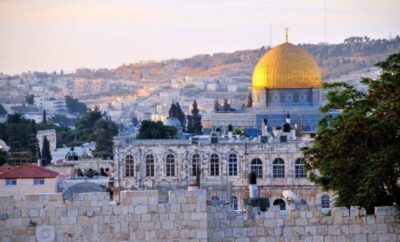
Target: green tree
{"type": "Point", "coordinates": [85, 125]}
{"type": "Point", "coordinates": [176, 112]}
{"type": "Point", "coordinates": [356, 152]}
{"type": "Point", "coordinates": [3, 111]}
{"type": "Point", "coordinates": [104, 130]}
{"type": "Point", "coordinates": [74, 106]}
{"type": "Point", "coordinates": [194, 120]}
{"type": "Point", "coordinates": [155, 130]}
{"type": "Point", "coordinates": [46, 154]}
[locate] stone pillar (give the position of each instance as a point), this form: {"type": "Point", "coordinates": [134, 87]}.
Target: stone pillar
{"type": "Point", "coordinates": [258, 96]}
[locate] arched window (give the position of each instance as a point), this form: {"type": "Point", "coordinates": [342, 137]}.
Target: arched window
{"type": "Point", "coordinates": [257, 167]}
{"type": "Point", "coordinates": [149, 165]}
{"type": "Point", "coordinates": [214, 165]}
{"type": "Point", "coordinates": [325, 201]}
{"type": "Point", "coordinates": [170, 165]}
{"type": "Point", "coordinates": [232, 165]}
{"type": "Point", "coordinates": [234, 202]}
{"type": "Point", "coordinates": [278, 168]}
{"type": "Point", "coordinates": [195, 164]}
{"type": "Point", "coordinates": [299, 170]}
{"type": "Point", "coordinates": [129, 168]}
{"type": "Point", "coordinates": [280, 203]}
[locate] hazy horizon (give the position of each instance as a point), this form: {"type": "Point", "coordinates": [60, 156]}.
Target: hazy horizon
{"type": "Point", "coordinates": [55, 35]}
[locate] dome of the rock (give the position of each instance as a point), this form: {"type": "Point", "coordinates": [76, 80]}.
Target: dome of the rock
{"type": "Point", "coordinates": [286, 66]}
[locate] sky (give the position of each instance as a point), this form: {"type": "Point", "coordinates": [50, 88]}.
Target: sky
{"type": "Point", "coordinates": [50, 35]}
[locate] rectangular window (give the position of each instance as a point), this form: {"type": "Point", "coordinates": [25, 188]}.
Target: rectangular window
{"type": "Point", "coordinates": [38, 181]}
{"type": "Point", "coordinates": [11, 182]}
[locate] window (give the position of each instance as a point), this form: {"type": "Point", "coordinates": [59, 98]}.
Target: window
{"type": "Point", "coordinates": [256, 167]}
{"type": "Point", "coordinates": [38, 181]}
{"type": "Point", "coordinates": [299, 171]}
{"type": "Point", "coordinates": [214, 165]}
{"type": "Point", "coordinates": [11, 182]}
{"type": "Point", "coordinates": [234, 202]}
{"type": "Point", "coordinates": [233, 167]}
{"type": "Point", "coordinates": [278, 168]}
{"type": "Point", "coordinates": [195, 164]}
{"type": "Point", "coordinates": [170, 165]}
{"type": "Point", "coordinates": [129, 168]}
{"type": "Point", "coordinates": [325, 201]}
{"type": "Point", "coordinates": [149, 165]}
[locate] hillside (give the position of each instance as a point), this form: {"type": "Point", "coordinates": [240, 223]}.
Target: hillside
{"type": "Point", "coordinates": [334, 59]}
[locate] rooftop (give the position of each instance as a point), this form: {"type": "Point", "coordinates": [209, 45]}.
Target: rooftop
{"type": "Point", "coordinates": [28, 171]}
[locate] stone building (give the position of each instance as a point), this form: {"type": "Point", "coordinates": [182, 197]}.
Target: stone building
{"type": "Point", "coordinates": [224, 165]}
{"type": "Point", "coordinates": [286, 82]}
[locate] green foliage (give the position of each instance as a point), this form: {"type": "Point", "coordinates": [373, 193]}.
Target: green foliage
{"type": "Point", "coordinates": [20, 135]}
{"type": "Point", "coordinates": [194, 120]}
{"type": "Point", "coordinates": [103, 136]}
{"type": "Point", "coordinates": [29, 99]}
{"type": "Point", "coordinates": [155, 130]}
{"type": "Point", "coordinates": [92, 127]}
{"type": "Point", "coordinates": [46, 154]}
{"type": "Point", "coordinates": [3, 157]}
{"type": "Point", "coordinates": [356, 152]}
{"type": "Point", "coordinates": [74, 106]}
{"type": "Point", "coordinates": [3, 111]}
{"type": "Point", "coordinates": [85, 125]}
{"type": "Point", "coordinates": [62, 120]}
{"type": "Point", "coordinates": [176, 112]}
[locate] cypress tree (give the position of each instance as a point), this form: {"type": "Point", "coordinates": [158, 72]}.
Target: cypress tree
{"type": "Point", "coordinates": [46, 154]}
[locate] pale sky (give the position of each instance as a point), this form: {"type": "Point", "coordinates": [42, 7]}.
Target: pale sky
{"type": "Point", "coordinates": [51, 35]}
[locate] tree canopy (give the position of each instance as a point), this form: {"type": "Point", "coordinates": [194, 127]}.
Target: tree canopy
{"type": "Point", "coordinates": [194, 120]}
{"type": "Point", "coordinates": [356, 152]}
{"type": "Point", "coordinates": [46, 154]}
{"type": "Point", "coordinates": [155, 130]}
{"type": "Point", "coordinates": [176, 112]}
{"type": "Point", "coordinates": [74, 106]}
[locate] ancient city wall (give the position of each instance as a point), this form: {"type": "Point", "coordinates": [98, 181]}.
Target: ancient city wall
{"type": "Point", "coordinates": [185, 217]}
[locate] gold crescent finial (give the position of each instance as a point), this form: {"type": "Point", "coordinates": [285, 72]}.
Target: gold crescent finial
{"type": "Point", "coordinates": [286, 34]}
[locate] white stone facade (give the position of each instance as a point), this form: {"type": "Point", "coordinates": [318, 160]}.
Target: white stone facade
{"type": "Point", "coordinates": [50, 135]}
{"type": "Point", "coordinates": [224, 178]}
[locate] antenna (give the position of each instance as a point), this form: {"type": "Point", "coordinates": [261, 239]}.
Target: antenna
{"type": "Point", "coordinates": [286, 34]}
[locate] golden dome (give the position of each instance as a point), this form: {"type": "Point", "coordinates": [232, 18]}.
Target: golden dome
{"type": "Point", "coordinates": [286, 66]}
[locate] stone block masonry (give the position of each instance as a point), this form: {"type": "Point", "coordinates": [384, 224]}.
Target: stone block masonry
{"type": "Point", "coordinates": [185, 217]}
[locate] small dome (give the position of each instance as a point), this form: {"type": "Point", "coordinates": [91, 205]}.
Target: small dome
{"type": "Point", "coordinates": [286, 66]}
{"type": "Point", "coordinates": [82, 187]}
{"type": "Point", "coordinates": [173, 122]}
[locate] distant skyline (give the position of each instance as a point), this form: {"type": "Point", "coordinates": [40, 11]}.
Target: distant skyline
{"type": "Point", "coordinates": [52, 35]}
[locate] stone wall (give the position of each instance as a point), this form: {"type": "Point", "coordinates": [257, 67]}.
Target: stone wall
{"type": "Point", "coordinates": [304, 225]}
{"type": "Point", "coordinates": [185, 217]}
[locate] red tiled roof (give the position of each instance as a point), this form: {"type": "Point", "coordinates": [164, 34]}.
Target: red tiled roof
{"type": "Point", "coordinates": [5, 167]}
{"type": "Point", "coordinates": [28, 171]}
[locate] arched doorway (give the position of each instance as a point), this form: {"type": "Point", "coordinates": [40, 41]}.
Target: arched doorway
{"type": "Point", "coordinates": [280, 203]}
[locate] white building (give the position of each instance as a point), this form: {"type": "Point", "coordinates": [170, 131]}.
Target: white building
{"type": "Point", "coordinates": [50, 135]}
